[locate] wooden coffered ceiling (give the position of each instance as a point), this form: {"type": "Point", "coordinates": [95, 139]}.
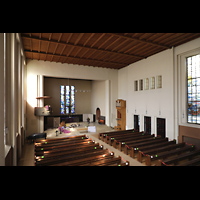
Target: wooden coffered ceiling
{"type": "Point", "coordinates": [108, 50]}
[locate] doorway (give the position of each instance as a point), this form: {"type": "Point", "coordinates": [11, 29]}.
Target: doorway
{"type": "Point", "coordinates": [147, 125]}
{"type": "Point", "coordinates": [161, 127]}
{"type": "Point", "coordinates": [98, 114]}
{"type": "Point", "coordinates": [136, 123]}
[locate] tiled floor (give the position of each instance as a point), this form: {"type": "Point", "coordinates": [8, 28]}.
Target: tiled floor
{"type": "Point", "coordinates": [27, 158]}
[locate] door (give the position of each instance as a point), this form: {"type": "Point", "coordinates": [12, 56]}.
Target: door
{"type": "Point", "coordinates": [98, 114]}
{"type": "Point", "coordinates": [147, 125]}
{"type": "Point", "coordinates": [161, 127]}
{"type": "Point", "coordinates": [136, 123]}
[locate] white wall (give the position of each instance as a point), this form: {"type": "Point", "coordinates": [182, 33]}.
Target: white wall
{"type": "Point", "coordinates": [152, 102]}
{"type": "Point", "coordinates": [98, 97]}
{"type": "Point", "coordinates": [169, 102]}
{"type": "Point", "coordinates": [35, 68]}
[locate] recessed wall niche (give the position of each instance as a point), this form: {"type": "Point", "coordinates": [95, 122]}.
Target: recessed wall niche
{"type": "Point", "coordinates": [136, 85]}
{"type": "Point", "coordinates": [152, 85]}
{"type": "Point", "coordinates": [159, 81]}
{"type": "Point", "coordinates": [148, 83]}
{"type": "Point", "coordinates": [141, 84]}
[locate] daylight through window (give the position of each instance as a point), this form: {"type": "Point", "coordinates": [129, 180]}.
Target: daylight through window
{"type": "Point", "coordinates": [193, 89]}
{"type": "Point", "coordinates": [67, 97]}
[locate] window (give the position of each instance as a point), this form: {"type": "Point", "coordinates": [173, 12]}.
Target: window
{"type": "Point", "coordinates": [141, 84]}
{"type": "Point", "coordinates": [67, 97]}
{"type": "Point", "coordinates": [159, 81]}
{"type": "Point", "coordinates": [136, 85]}
{"type": "Point", "coordinates": [193, 89]}
{"type": "Point", "coordinates": [146, 83]}
{"type": "Point", "coordinates": [62, 98]}
{"type": "Point", "coordinates": [152, 83]}
{"type": "Point", "coordinates": [72, 99]}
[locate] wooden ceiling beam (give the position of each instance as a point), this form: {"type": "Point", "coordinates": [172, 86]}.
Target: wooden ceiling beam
{"type": "Point", "coordinates": [40, 42]}
{"type": "Point", "coordinates": [112, 43]}
{"type": "Point", "coordinates": [80, 46]}
{"type": "Point", "coordinates": [77, 40]}
{"type": "Point", "coordinates": [105, 41]}
{"type": "Point", "coordinates": [140, 40]}
{"type": "Point", "coordinates": [98, 39]}
{"type": "Point", "coordinates": [88, 39]}
{"type": "Point", "coordinates": [50, 35]}
{"type": "Point", "coordinates": [78, 58]}
{"type": "Point", "coordinates": [56, 45]}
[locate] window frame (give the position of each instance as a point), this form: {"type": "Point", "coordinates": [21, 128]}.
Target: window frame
{"type": "Point", "coordinates": [146, 83]}
{"type": "Point", "coordinates": [67, 105]}
{"type": "Point", "coordinates": [159, 81]}
{"type": "Point", "coordinates": [180, 88]}
{"type": "Point", "coordinates": [192, 93]}
{"type": "Point", "coordinates": [152, 83]}
{"type": "Point", "coordinates": [141, 85]}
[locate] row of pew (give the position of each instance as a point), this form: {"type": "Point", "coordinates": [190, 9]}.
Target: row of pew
{"type": "Point", "coordinates": [74, 151]}
{"type": "Point", "coordinates": [151, 150]}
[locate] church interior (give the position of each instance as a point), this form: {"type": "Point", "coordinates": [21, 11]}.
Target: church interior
{"type": "Point", "coordinates": [105, 99]}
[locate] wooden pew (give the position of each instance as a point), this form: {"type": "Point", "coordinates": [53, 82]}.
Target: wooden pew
{"type": "Point", "coordinates": [105, 162]}
{"type": "Point", "coordinates": [74, 151]}
{"type": "Point", "coordinates": [159, 142]}
{"type": "Point", "coordinates": [104, 134]}
{"type": "Point", "coordinates": [61, 139]}
{"type": "Point", "coordinates": [125, 136]}
{"type": "Point", "coordinates": [69, 157]}
{"type": "Point", "coordinates": [176, 159]}
{"type": "Point", "coordinates": [136, 140]}
{"type": "Point", "coordinates": [141, 153]}
{"type": "Point", "coordinates": [54, 155]}
{"type": "Point", "coordinates": [121, 164]}
{"type": "Point", "coordinates": [193, 162]}
{"type": "Point", "coordinates": [135, 145]}
{"type": "Point", "coordinates": [162, 152]}
{"type": "Point", "coordinates": [44, 143]}
{"type": "Point", "coordinates": [66, 148]}
{"type": "Point", "coordinates": [51, 158]}
{"type": "Point", "coordinates": [87, 160]}
{"type": "Point", "coordinates": [63, 145]}
{"type": "Point", "coordinates": [109, 139]}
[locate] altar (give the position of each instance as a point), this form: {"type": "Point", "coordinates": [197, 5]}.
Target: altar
{"type": "Point", "coordinates": [52, 121]}
{"type": "Point", "coordinates": [71, 129]}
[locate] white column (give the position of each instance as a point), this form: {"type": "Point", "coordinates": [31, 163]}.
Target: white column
{"type": "Point", "coordinates": [107, 102]}
{"type": "Point", "coordinates": [13, 129]}
{"type": "Point", "coordinates": [2, 146]}
{"type": "Point", "coordinates": [19, 113]}
{"type": "Point", "coordinates": [22, 100]}
{"type": "Point", "coordinates": [40, 102]}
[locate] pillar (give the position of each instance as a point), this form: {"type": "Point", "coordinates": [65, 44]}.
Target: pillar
{"type": "Point", "coordinates": [2, 78]}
